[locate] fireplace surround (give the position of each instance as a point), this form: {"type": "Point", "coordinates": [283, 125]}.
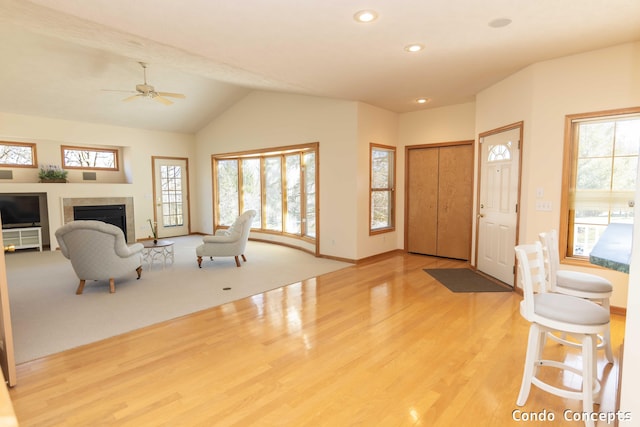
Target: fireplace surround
{"type": "Point", "coordinates": [69, 203]}
{"type": "Point", "coordinates": [111, 214]}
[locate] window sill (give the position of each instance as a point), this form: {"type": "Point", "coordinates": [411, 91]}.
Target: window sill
{"type": "Point", "coordinates": [381, 231]}
{"type": "Point", "coordinates": [579, 262]}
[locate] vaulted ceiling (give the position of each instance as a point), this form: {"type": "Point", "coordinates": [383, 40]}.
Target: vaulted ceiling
{"type": "Point", "coordinates": [59, 56]}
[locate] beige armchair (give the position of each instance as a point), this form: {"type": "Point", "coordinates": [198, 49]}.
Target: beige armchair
{"type": "Point", "coordinates": [98, 251]}
{"type": "Point", "coordinates": [229, 242]}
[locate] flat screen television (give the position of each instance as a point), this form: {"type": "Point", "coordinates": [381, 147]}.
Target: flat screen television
{"type": "Point", "coordinates": [19, 210]}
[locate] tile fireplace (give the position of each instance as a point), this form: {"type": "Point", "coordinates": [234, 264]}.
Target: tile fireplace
{"type": "Point", "coordinates": [113, 210]}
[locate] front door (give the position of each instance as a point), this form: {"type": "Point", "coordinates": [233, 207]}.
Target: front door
{"type": "Point", "coordinates": [171, 196]}
{"type": "Point", "coordinates": [498, 201]}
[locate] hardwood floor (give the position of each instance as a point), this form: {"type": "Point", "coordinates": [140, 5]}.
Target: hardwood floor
{"type": "Point", "coordinates": [378, 344]}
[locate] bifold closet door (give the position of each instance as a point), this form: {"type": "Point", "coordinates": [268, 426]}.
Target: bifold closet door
{"type": "Point", "coordinates": [455, 195]}
{"type": "Point", "coordinates": [422, 218]}
{"type": "Point", "coordinates": [439, 196]}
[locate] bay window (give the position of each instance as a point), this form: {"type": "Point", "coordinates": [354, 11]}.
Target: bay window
{"type": "Point", "coordinates": [279, 183]}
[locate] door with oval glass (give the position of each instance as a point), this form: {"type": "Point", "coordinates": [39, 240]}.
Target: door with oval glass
{"type": "Point", "coordinates": [171, 196]}
{"type": "Point", "coordinates": [498, 202]}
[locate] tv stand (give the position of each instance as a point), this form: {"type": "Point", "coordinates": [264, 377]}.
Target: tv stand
{"type": "Point", "coordinates": [23, 238]}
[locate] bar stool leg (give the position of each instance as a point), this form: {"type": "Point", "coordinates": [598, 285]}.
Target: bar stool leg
{"type": "Point", "coordinates": [607, 333]}
{"type": "Point", "coordinates": [589, 343]}
{"type": "Point", "coordinates": [534, 350]}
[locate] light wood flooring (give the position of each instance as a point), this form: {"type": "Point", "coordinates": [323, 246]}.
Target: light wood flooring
{"type": "Point", "coordinates": [378, 344]}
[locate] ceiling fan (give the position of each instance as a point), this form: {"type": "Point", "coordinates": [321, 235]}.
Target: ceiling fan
{"type": "Point", "coordinates": [147, 91]}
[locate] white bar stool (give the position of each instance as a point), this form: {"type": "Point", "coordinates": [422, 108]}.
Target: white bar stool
{"type": "Point", "coordinates": [551, 312]}
{"type": "Point", "coordinates": [582, 285]}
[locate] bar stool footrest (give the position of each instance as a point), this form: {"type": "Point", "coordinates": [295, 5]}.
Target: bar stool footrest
{"type": "Point", "coordinates": [569, 394]}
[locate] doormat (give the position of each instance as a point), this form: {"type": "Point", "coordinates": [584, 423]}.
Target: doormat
{"type": "Point", "coordinates": [465, 280]}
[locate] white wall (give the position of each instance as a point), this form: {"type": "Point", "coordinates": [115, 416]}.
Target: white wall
{"type": "Point", "coordinates": [542, 95]}
{"type": "Point", "coordinates": [378, 126]}
{"type": "Point", "coordinates": [138, 145]}
{"type": "Point", "coordinates": [437, 125]}
{"type": "Point", "coordinates": [267, 120]}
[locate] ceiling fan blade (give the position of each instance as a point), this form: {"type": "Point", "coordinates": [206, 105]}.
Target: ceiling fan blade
{"type": "Point", "coordinates": [164, 101]}
{"type": "Point", "coordinates": [172, 95]}
{"type": "Point", "coordinates": [131, 98]}
{"type": "Point", "coordinates": [147, 91]}
{"type": "Point", "coordinates": [116, 90]}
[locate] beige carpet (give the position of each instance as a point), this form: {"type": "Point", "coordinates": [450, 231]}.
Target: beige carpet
{"type": "Point", "coordinates": [48, 317]}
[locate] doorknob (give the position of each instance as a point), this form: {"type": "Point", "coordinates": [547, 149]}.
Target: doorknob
{"type": "Point", "coordinates": [480, 215]}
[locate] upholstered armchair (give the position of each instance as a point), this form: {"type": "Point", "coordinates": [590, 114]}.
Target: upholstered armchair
{"type": "Point", "coordinates": [98, 251]}
{"type": "Point", "coordinates": [229, 242]}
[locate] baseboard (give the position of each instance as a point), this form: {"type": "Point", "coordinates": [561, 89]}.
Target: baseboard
{"type": "Point", "coordinates": [283, 244]}
{"type": "Point", "coordinates": [622, 311]}
{"type": "Point", "coordinates": [378, 257]}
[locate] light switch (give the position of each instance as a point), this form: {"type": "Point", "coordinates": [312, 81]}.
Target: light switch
{"type": "Point", "coordinates": [543, 205]}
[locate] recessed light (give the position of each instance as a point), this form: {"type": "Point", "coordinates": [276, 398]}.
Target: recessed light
{"type": "Point", "coordinates": [365, 16]}
{"type": "Point", "coordinates": [415, 47]}
{"type": "Point", "coordinates": [423, 100]}
{"type": "Point", "coordinates": [499, 22]}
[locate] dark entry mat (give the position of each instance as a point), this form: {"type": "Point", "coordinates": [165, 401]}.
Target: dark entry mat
{"type": "Point", "coordinates": [465, 280]}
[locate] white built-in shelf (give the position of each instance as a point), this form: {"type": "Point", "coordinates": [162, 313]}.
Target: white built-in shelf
{"type": "Point", "coordinates": [23, 238]}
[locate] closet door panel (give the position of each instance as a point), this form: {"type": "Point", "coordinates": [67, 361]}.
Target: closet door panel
{"type": "Point", "coordinates": [455, 189]}
{"type": "Point", "coordinates": [422, 231]}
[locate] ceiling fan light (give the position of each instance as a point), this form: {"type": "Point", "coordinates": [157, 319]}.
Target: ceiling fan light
{"type": "Point", "coordinates": [145, 90]}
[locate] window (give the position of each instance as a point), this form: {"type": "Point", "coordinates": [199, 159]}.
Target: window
{"type": "Point", "coordinates": [280, 184]}
{"type": "Point", "coordinates": [17, 154]}
{"type": "Point", "coordinates": [382, 194]}
{"type": "Point", "coordinates": [500, 152]}
{"type": "Point", "coordinates": [251, 189]}
{"type": "Point", "coordinates": [89, 158]}
{"type": "Point", "coordinates": [171, 184]}
{"type": "Point", "coordinates": [601, 164]}
{"type": "Point", "coordinates": [228, 206]}
{"type": "Point", "coordinates": [273, 193]}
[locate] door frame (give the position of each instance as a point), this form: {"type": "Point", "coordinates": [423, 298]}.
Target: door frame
{"type": "Point", "coordinates": [482, 135]}
{"type": "Point", "coordinates": [153, 186]}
